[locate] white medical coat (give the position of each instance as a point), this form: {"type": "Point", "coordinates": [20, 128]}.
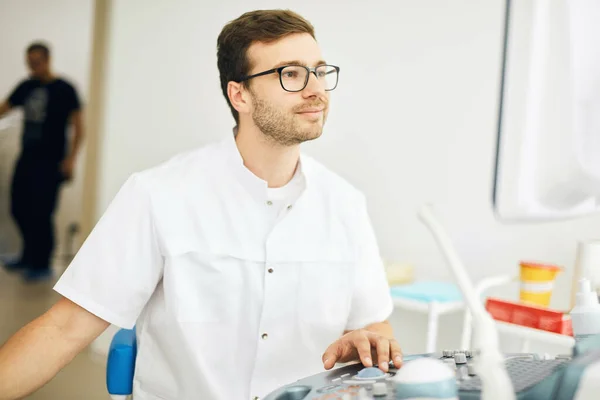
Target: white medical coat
{"type": "Point", "coordinates": [226, 305]}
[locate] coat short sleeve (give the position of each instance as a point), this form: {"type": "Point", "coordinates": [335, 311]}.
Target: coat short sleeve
{"type": "Point", "coordinates": [116, 271]}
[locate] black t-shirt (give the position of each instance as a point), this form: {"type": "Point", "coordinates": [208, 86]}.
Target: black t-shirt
{"type": "Point", "coordinates": [47, 108]}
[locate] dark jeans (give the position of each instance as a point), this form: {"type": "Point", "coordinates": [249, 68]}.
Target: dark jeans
{"type": "Point", "coordinates": [34, 194]}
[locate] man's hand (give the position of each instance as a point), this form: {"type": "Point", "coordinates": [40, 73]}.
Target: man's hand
{"type": "Point", "coordinates": [4, 108]}
{"type": "Point", "coordinates": [67, 168]}
{"type": "Point", "coordinates": [365, 346]}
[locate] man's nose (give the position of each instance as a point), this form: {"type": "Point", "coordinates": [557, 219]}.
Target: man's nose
{"type": "Point", "coordinates": [314, 87]}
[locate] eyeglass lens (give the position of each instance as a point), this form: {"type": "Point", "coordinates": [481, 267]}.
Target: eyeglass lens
{"type": "Point", "coordinates": [294, 78]}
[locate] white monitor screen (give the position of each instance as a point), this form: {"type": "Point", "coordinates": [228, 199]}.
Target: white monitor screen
{"type": "Point", "coordinates": [548, 154]}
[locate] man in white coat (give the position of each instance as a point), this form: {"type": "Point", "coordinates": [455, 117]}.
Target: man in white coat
{"type": "Point", "coordinates": [244, 265]}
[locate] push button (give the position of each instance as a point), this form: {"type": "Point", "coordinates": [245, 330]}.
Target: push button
{"type": "Point", "coordinates": [370, 373]}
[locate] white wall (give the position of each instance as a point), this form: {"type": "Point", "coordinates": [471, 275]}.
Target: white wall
{"type": "Point", "coordinates": [413, 119]}
{"type": "Point", "coordinates": [66, 25]}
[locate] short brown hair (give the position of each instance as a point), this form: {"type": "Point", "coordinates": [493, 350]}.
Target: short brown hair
{"type": "Point", "coordinates": [256, 26]}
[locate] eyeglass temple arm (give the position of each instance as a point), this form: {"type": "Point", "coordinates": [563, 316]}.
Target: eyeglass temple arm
{"type": "Point", "coordinates": [271, 71]}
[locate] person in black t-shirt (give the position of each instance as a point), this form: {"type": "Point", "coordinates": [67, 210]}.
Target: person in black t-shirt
{"type": "Point", "coordinates": [46, 161]}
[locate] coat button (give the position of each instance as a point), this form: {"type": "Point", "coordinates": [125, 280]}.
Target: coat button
{"type": "Point", "coordinates": [270, 270]}
{"type": "Point", "coordinates": [264, 336]}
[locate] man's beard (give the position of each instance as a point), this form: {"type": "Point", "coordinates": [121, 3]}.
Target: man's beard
{"type": "Point", "coordinates": [284, 128]}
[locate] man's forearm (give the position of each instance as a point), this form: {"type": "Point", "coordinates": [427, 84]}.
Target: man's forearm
{"type": "Point", "coordinates": [77, 121]}
{"type": "Point", "coordinates": [31, 358]}
{"type": "Point", "coordinates": [37, 352]}
{"type": "Point", "coordinates": [77, 139]}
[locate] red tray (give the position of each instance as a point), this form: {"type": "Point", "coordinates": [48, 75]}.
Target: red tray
{"type": "Point", "coordinates": [530, 316]}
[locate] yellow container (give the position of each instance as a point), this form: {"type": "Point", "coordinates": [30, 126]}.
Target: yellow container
{"type": "Point", "coordinates": [537, 283]}
{"type": "Point", "coordinates": [538, 299]}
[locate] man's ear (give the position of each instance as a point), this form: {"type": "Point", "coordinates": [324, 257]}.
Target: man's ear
{"type": "Point", "coordinates": [237, 94]}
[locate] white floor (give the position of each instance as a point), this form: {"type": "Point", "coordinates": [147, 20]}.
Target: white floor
{"type": "Point", "coordinates": [84, 378]}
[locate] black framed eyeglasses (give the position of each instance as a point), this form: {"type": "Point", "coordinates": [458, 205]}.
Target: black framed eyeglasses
{"type": "Point", "coordinates": [294, 78]}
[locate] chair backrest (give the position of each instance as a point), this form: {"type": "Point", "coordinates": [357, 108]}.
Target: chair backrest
{"type": "Point", "coordinates": [121, 363]}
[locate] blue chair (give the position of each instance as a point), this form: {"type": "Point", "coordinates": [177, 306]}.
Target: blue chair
{"type": "Point", "coordinates": [121, 364]}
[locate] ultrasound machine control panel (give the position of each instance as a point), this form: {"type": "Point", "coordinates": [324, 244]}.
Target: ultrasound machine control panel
{"type": "Point", "coordinates": [533, 378]}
